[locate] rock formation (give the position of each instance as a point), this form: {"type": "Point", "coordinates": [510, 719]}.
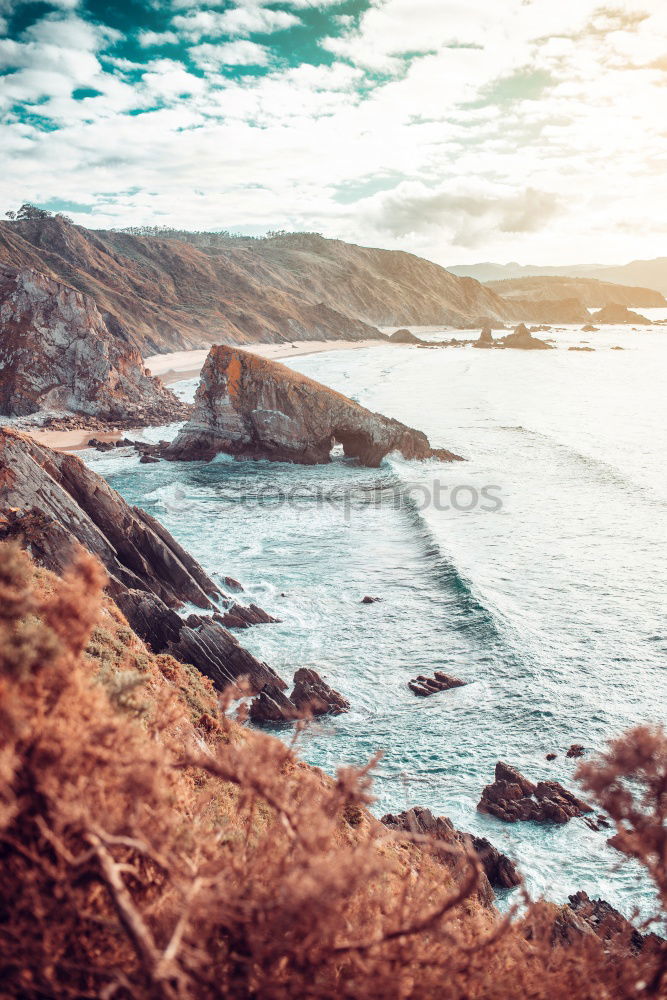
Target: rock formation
{"type": "Point", "coordinates": [522, 339]}
{"type": "Point", "coordinates": [584, 915]}
{"type": "Point", "coordinates": [311, 696]}
{"type": "Point", "coordinates": [239, 616]}
{"type": "Point", "coordinates": [180, 290]}
{"type": "Point", "coordinates": [588, 292]}
{"type": "Point", "coordinates": [512, 797]}
{"type": "Point", "coordinates": [485, 339]}
{"type": "Point", "coordinates": [52, 502]}
{"type": "Point", "coordinates": [426, 686]}
{"type": "Point", "coordinates": [499, 871]}
{"type": "Point", "coordinates": [405, 337]}
{"type": "Point", "coordinates": [58, 352]}
{"type": "Point", "coordinates": [616, 315]}
{"type": "Point", "coordinates": [253, 408]}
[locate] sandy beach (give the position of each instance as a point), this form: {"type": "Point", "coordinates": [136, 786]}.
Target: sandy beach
{"type": "Point", "coordinates": [181, 365]}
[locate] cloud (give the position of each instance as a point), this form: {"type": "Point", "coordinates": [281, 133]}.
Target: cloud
{"type": "Point", "coordinates": [236, 22]}
{"type": "Point", "coordinates": [213, 57]}
{"type": "Point", "coordinates": [151, 39]}
{"type": "Point", "coordinates": [466, 217]}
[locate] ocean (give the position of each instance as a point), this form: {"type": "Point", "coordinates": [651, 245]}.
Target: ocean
{"type": "Point", "coordinates": [535, 571]}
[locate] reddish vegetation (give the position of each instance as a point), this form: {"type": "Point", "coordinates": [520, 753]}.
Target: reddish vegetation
{"type": "Point", "coordinates": [152, 848]}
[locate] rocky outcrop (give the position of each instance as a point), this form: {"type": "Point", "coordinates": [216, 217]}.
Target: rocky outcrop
{"type": "Point", "coordinates": [485, 339]}
{"type": "Point", "coordinates": [583, 915]}
{"type": "Point", "coordinates": [405, 337]}
{"type": "Point", "coordinates": [619, 315]}
{"type": "Point", "coordinates": [499, 871]}
{"type": "Point", "coordinates": [55, 500]}
{"type": "Point", "coordinates": [253, 408]}
{"type": "Point", "coordinates": [586, 350]}
{"type": "Point", "coordinates": [426, 686]}
{"type": "Point", "coordinates": [523, 340]}
{"type": "Point", "coordinates": [200, 641]}
{"type": "Point", "coordinates": [311, 697]}
{"type": "Point", "coordinates": [512, 797]}
{"type": "Point", "coordinates": [240, 616]}
{"type": "Point", "coordinates": [58, 352]}
{"type": "Point", "coordinates": [177, 290]}
{"type": "Point", "coordinates": [52, 502]}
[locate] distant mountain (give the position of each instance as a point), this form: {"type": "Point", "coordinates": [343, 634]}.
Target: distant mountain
{"type": "Point", "coordinates": [640, 273]}
{"type": "Point", "coordinates": [589, 291]}
{"type": "Point", "coordinates": [176, 293]}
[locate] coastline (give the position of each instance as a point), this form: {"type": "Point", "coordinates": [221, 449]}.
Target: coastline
{"type": "Point", "coordinates": [179, 366]}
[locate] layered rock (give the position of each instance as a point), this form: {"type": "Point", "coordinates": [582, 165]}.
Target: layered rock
{"type": "Point", "coordinates": [253, 408]}
{"type": "Point", "coordinates": [583, 915]}
{"type": "Point", "coordinates": [619, 315]}
{"type": "Point", "coordinates": [512, 798]}
{"type": "Point", "coordinates": [425, 686]}
{"type": "Point", "coordinates": [311, 697]}
{"type": "Point", "coordinates": [499, 871]}
{"type": "Point", "coordinates": [53, 502]}
{"type": "Point", "coordinates": [240, 616]}
{"type": "Point", "coordinates": [58, 352]}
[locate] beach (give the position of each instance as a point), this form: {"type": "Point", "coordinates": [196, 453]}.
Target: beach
{"type": "Point", "coordinates": [181, 365]}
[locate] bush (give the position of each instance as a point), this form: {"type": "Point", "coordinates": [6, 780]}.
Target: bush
{"type": "Point", "coordinates": [144, 855]}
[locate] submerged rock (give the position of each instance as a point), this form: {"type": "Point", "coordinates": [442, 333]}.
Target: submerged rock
{"type": "Point", "coordinates": [250, 407]}
{"type": "Point", "coordinates": [310, 697]}
{"type": "Point", "coordinates": [600, 917]}
{"type": "Point", "coordinates": [512, 798]}
{"type": "Point", "coordinates": [425, 686]}
{"type": "Point", "coordinates": [576, 750]}
{"type": "Point", "coordinates": [370, 600]}
{"type": "Point", "coordinates": [59, 352]}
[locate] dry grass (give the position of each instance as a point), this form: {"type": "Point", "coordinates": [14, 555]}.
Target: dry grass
{"type": "Point", "coordinates": [152, 847]}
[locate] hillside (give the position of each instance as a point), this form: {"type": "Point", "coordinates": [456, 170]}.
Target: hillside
{"type": "Point", "coordinates": [175, 294]}
{"type": "Point", "coordinates": [644, 274]}
{"type": "Point", "coordinates": [590, 292]}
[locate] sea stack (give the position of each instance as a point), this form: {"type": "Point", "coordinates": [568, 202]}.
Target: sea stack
{"type": "Point", "coordinates": [523, 340]}
{"type": "Point", "coordinates": [253, 408]}
{"type": "Point", "coordinates": [60, 353]}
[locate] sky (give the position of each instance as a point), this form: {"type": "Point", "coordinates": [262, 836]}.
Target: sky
{"type": "Point", "coordinates": [505, 130]}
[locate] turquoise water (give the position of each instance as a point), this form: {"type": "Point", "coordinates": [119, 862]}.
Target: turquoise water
{"type": "Point", "coordinates": [551, 607]}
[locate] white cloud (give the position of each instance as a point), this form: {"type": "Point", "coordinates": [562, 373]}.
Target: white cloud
{"type": "Point", "coordinates": [149, 39]}
{"type": "Point", "coordinates": [213, 57]}
{"type": "Point", "coordinates": [236, 22]}
{"type": "Point", "coordinates": [512, 132]}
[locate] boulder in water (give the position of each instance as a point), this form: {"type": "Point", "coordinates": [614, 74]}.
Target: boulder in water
{"type": "Point", "coordinates": [512, 798]}
{"type": "Point", "coordinates": [523, 340]}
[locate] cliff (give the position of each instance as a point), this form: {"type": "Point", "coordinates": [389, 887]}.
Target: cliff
{"type": "Point", "coordinates": [549, 310]}
{"type": "Point", "coordinates": [58, 352]}
{"type": "Point", "coordinates": [589, 292]}
{"type": "Point", "coordinates": [53, 502]}
{"type": "Point", "coordinates": [250, 407]}
{"type": "Point", "coordinates": [174, 294]}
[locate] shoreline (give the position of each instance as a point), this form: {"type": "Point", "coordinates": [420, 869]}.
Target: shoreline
{"type": "Point", "coordinates": [178, 366]}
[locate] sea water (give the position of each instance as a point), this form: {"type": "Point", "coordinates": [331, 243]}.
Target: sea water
{"type": "Point", "coordinates": [535, 571]}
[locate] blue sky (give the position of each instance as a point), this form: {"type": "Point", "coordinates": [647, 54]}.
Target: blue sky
{"type": "Point", "coordinates": [487, 129]}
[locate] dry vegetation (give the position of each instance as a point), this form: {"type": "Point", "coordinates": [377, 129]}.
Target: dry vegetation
{"type": "Point", "coordinates": [152, 847]}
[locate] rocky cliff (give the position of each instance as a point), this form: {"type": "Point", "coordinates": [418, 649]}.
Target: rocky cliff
{"type": "Point", "coordinates": [58, 352]}
{"type": "Point", "coordinates": [174, 294]}
{"type": "Point", "coordinates": [52, 501]}
{"type": "Point", "coordinates": [588, 291]}
{"type": "Point", "coordinates": [254, 408]}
